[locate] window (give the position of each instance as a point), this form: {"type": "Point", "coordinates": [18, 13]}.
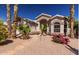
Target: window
{"type": "Point", "coordinates": [56, 27]}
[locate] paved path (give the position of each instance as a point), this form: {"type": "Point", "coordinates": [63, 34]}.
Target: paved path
{"type": "Point", "coordinates": [37, 45]}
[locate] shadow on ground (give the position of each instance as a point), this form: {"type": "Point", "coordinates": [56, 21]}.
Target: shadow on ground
{"type": "Point", "coordinates": [6, 42]}
{"type": "Point", "coordinates": [75, 51]}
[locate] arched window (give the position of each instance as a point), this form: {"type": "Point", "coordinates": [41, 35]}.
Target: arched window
{"type": "Point", "coordinates": [56, 27]}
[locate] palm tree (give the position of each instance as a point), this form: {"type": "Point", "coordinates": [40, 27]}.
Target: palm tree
{"type": "Point", "coordinates": [72, 21]}
{"type": "Point", "coordinates": [15, 20]}
{"type": "Point", "coordinates": [8, 20]}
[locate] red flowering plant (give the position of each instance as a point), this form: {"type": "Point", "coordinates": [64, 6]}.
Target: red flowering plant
{"type": "Point", "coordinates": [60, 38]}
{"type": "Point", "coordinates": [56, 38]}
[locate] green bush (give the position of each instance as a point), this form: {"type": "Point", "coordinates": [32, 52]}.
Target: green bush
{"type": "Point", "coordinates": [3, 32]}
{"type": "Point", "coordinates": [25, 30]}
{"type": "Point", "coordinates": [43, 27]}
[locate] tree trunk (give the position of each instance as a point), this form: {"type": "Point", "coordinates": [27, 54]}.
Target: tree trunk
{"type": "Point", "coordinates": [15, 20]}
{"type": "Point", "coordinates": [72, 21]}
{"type": "Point", "coordinates": [8, 20]}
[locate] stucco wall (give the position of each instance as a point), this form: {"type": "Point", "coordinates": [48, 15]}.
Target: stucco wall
{"type": "Point", "coordinates": [61, 25]}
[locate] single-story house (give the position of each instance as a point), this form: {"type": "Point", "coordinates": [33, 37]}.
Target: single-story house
{"type": "Point", "coordinates": [56, 24]}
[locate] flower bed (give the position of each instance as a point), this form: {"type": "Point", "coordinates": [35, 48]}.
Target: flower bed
{"type": "Point", "coordinates": [60, 38]}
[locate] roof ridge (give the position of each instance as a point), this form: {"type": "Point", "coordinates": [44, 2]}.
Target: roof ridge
{"type": "Point", "coordinates": [59, 15]}
{"type": "Point", "coordinates": [43, 14]}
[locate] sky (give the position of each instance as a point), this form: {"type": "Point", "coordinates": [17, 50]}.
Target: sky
{"type": "Point", "coordinates": [33, 10]}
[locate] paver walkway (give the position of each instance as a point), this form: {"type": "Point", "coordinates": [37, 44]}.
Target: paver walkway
{"type": "Point", "coordinates": [37, 45]}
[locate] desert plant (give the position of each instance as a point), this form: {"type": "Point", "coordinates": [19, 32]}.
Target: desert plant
{"type": "Point", "coordinates": [59, 38]}
{"type": "Point", "coordinates": [72, 21]}
{"type": "Point", "coordinates": [43, 28]}
{"type": "Point", "coordinates": [3, 32]}
{"type": "Point", "coordinates": [56, 38]}
{"type": "Point", "coordinates": [8, 20]}
{"type": "Point", "coordinates": [15, 20]}
{"type": "Point", "coordinates": [25, 30]}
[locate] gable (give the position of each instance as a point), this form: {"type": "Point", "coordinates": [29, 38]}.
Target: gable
{"type": "Point", "coordinates": [43, 16]}
{"type": "Point", "coordinates": [57, 18]}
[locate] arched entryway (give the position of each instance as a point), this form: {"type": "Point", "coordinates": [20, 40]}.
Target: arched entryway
{"type": "Point", "coordinates": [43, 24]}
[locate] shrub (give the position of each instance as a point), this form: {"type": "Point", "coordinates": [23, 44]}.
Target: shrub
{"type": "Point", "coordinates": [56, 38]}
{"type": "Point", "coordinates": [43, 28]}
{"type": "Point", "coordinates": [25, 30]}
{"type": "Point", "coordinates": [59, 38]}
{"type": "Point", "coordinates": [3, 32]}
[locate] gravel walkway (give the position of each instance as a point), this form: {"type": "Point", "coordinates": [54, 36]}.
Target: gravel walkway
{"type": "Point", "coordinates": [38, 45]}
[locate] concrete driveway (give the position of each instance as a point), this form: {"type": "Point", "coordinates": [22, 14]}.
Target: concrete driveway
{"type": "Point", "coordinates": [38, 45]}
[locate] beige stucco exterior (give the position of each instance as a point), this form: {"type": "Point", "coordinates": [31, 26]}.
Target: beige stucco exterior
{"type": "Point", "coordinates": [50, 21]}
